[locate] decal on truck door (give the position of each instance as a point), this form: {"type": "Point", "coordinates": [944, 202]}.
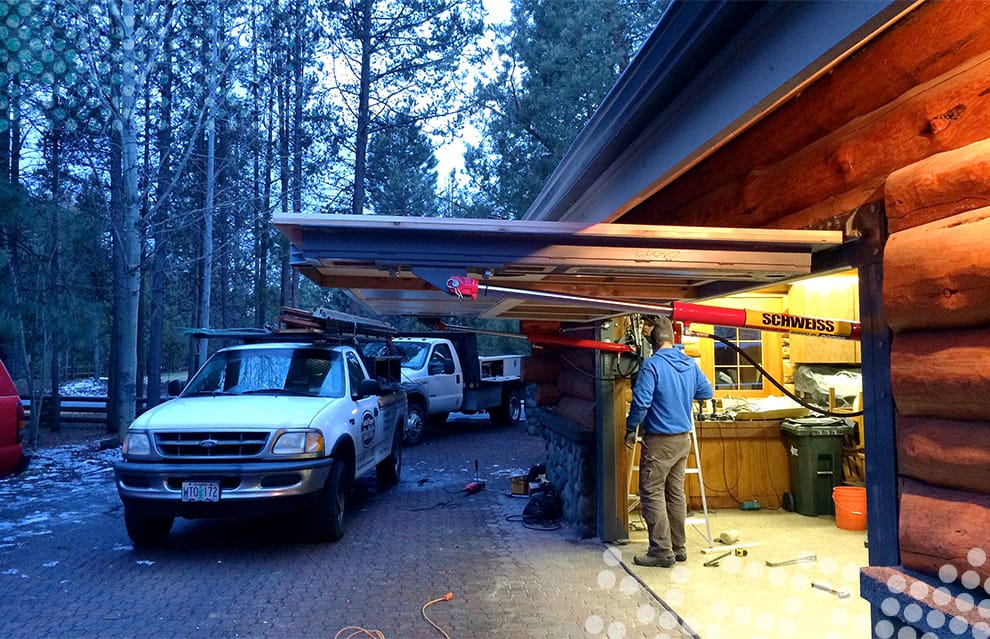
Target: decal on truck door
{"type": "Point", "coordinates": [367, 429]}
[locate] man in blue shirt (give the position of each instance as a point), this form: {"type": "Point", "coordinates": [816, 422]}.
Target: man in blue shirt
{"type": "Point", "coordinates": [667, 385]}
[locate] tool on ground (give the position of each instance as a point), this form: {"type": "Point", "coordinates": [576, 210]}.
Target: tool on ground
{"type": "Point", "coordinates": [796, 560]}
{"type": "Point", "coordinates": [711, 563]}
{"type": "Point", "coordinates": [474, 487]}
{"type": "Point", "coordinates": [841, 594]}
{"type": "Point", "coordinates": [738, 552]}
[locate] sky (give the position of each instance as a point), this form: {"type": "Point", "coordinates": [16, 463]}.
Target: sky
{"type": "Point", "coordinates": [450, 156]}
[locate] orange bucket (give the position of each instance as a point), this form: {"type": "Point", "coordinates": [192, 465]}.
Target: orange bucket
{"type": "Point", "coordinates": [850, 507]}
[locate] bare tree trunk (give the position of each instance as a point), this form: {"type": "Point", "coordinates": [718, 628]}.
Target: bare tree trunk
{"type": "Point", "coordinates": [211, 120]}
{"type": "Point", "coordinates": [284, 126]}
{"type": "Point", "coordinates": [130, 231]}
{"type": "Point", "coordinates": [363, 115]}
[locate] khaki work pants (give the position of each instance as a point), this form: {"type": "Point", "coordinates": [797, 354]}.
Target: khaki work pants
{"type": "Point", "coordinates": [661, 491]}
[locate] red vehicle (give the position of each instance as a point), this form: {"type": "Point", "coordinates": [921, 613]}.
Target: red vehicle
{"type": "Point", "coordinates": [12, 459]}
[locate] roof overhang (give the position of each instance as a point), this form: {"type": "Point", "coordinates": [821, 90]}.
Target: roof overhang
{"type": "Point", "coordinates": [400, 265]}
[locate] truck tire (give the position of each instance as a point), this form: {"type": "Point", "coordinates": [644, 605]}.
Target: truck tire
{"type": "Point", "coordinates": [327, 521]}
{"type": "Point", "coordinates": [389, 470]}
{"type": "Point", "coordinates": [415, 429]}
{"type": "Point", "coordinates": [510, 412]}
{"type": "Point", "coordinates": [147, 530]}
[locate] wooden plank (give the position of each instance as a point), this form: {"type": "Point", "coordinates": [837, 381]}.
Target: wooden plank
{"type": "Point", "coordinates": [930, 41]}
{"type": "Point", "coordinates": [938, 187]}
{"type": "Point", "coordinates": [943, 288]}
{"type": "Point", "coordinates": [836, 297]}
{"type": "Point", "coordinates": [939, 527]}
{"type": "Point", "coordinates": [941, 452]}
{"type": "Point", "coordinates": [942, 374]}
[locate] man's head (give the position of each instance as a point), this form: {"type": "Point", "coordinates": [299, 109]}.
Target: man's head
{"type": "Point", "coordinates": [663, 331]}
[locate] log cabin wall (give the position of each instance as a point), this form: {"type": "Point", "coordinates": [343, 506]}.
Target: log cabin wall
{"type": "Point", "coordinates": [937, 275]}
{"type": "Point", "coordinates": [561, 406]}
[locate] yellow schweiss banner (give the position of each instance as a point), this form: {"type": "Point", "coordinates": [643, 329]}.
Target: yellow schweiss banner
{"type": "Point", "coordinates": [766, 321]}
{"type": "Point", "coordinates": [800, 324]}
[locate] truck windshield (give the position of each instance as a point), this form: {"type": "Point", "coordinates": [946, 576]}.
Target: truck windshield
{"type": "Point", "coordinates": [413, 353]}
{"type": "Point", "coordinates": [308, 371]}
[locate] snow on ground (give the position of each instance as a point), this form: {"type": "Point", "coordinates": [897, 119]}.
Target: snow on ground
{"type": "Point", "coordinates": [46, 494]}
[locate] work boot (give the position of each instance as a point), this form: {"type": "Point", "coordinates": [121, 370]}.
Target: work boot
{"type": "Point", "coordinates": [653, 562]}
{"type": "Point", "coordinates": [680, 556]}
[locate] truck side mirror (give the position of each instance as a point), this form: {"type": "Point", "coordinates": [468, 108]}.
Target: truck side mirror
{"type": "Point", "coordinates": [448, 367]}
{"type": "Point", "coordinates": [174, 388]}
{"type": "Point", "coordinates": [367, 387]}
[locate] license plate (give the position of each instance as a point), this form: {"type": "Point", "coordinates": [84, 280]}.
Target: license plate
{"type": "Point", "coordinates": [200, 491]}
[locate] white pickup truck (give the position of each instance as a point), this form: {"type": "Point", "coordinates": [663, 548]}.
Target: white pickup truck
{"type": "Point", "coordinates": [260, 429]}
{"type": "Point", "coordinates": [444, 373]}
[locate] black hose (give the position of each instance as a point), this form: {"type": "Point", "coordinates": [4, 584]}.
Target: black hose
{"type": "Point", "coordinates": [745, 355]}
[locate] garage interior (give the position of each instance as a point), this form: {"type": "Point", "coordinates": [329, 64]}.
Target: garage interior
{"type": "Point", "coordinates": [867, 120]}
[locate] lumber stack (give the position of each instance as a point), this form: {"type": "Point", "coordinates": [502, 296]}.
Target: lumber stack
{"type": "Point", "coordinates": [936, 281]}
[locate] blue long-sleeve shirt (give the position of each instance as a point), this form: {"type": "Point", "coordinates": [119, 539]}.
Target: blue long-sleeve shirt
{"type": "Point", "coordinates": [668, 383]}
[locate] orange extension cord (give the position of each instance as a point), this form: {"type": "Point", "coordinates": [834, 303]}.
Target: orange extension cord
{"type": "Point", "coordinates": [356, 632]}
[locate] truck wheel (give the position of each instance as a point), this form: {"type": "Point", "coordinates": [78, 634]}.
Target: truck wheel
{"type": "Point", "coordinates": [327, 521]}
{"type": "Point", "coordinates": [388, 470]}
{"type": "Point", "coordinates": [415, 428]}
{"type": "Point", "coordinates": [510, 412]}
{"type": "Point", "coordinates": [145, 530]}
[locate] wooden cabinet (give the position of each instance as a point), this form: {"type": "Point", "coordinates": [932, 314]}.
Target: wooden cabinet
{"type": "Point", "coordinates": [740, 461]}
{"type": "Point", "coordinates": [836, 297]}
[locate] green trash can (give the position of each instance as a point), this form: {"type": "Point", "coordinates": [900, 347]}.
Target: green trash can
{"type": "Point", "coordinates": [814, 448]}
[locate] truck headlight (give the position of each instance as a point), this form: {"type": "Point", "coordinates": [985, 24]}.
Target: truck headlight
{"type": "Point", "coordinates": [299, 442]}
{"type": "Point", "coordinates": [136, 444]}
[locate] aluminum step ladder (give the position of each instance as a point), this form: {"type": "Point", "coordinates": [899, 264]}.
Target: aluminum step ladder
{"type": "Point", "coordinates": [633, 500]}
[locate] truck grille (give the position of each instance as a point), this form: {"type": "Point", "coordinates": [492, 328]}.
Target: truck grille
{"type": "Point", "coordinates": [218, 444]}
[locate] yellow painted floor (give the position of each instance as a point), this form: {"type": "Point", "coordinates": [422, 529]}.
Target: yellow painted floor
{"type": "Point", "coordinates": [743, 597]}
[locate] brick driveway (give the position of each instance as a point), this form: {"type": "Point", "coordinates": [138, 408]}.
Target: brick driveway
{"type": "Point", "coordinates": [67, 568]}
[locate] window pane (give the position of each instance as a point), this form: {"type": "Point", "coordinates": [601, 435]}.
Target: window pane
{"type": "Point", "coordinates": [724, 356]}
{"type": "Point", "coordinates": [725, 332]}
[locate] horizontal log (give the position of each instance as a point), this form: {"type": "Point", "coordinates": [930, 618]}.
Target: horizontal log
{"type": "Point", "coordinates": [940, 527]}
{"type": "Point", "coordinates": [945, 288]}
{"type": "Point", "coordinates": [938, 187]}
{"type": "Point", "coordinates": [540, 369]}
{"type": "Point", "coordinates": [547, 395]}
{"type": "Point", "coordinates": [948, 112]}
{"type": "Point", "coordinates": [932, 39]}
{"type": "Point", "coordinates": [579, 411]}
{"type": "Point", "coordinates": [943, 374]}
{"type": "Point", "coordinates": [945, 453]}
{"type": "Point", "coordinates": [576, 384]}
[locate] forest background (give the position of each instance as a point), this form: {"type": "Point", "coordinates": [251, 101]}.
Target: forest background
{"type": "Point", "coordinates": [144, 147]}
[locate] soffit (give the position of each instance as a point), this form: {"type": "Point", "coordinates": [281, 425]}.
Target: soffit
{"type": "Point", "coordinates": [399, 265]}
